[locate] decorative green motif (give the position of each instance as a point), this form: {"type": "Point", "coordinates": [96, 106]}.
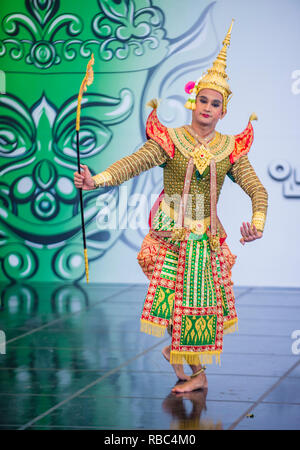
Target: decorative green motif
{"type": "Point", "coordinates": [41, 28]}
{"type": "Point", "coordinates": [121, 30]}
{"type": "Point", "coordinates": [163, 303]}
{"type": "Point", "coordinates": [121, 27]}
{"type": "Point", "coordinates": [226, 310]}
{"type": "Point", "coordinates": [169, 270]}
{"type": "Point", "coordinates": [198, 275]}
{"type": "Point", "coordinates": [44, 191]}
{"type": "Point", "coordinates": [38, 150]}
{"type": "Point", "coordinates": [197, 330]}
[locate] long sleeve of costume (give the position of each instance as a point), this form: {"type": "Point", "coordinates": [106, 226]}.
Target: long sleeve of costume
{"type": "Point", "coordinates": [245, 176]}
{"type": "Point", "coordinates": [147, 157]}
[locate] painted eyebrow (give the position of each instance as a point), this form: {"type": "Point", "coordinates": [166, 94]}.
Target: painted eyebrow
{"type": "Point", "coordinates": [214, 100]}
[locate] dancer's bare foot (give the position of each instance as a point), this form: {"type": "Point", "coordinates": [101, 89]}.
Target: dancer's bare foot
{"type": "Point", "coordinates": [178, 368]}
{"type": "Point", "coordinates": [196, 381]}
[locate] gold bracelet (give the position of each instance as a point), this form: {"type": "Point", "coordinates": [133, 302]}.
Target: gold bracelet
{"type": "Point", "coordinates": [258, 219]}
{"type": "Point", "coordinates": [102, 179]}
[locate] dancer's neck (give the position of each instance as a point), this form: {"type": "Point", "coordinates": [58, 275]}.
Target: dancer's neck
{"type": "Point", "coordinates": [203, 131]}
{"type": "Point", "coordinates": [205, 134]}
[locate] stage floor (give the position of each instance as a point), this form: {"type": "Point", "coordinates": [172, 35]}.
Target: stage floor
{"type": "Point", "coordinates": [75, 359]}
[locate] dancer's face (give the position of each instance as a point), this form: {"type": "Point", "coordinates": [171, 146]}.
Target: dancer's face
{"type": "Point", "coordinates": [209, 108]}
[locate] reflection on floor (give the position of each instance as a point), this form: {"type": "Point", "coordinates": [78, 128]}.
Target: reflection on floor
{"type": "Point", "coordinates": [72, 357]}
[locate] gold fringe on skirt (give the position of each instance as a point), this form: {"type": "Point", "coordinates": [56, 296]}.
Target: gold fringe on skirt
{"type": "Point", "coordinates": [152, 328]}
{"type": "Point", "coordinates": [231, 326]}
{"type": "Point", "coordinates": [195, 358]}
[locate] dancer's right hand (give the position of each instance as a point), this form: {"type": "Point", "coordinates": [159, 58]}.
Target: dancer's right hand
{"type": "Point", "coordinates": [84, 180]}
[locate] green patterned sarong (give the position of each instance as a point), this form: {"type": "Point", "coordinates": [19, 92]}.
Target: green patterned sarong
{"type": "Point", "coordinates": [190, 289]}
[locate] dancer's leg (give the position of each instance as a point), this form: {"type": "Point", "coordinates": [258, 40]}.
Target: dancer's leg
{"type": "Point", "coordinates": [178, 368]}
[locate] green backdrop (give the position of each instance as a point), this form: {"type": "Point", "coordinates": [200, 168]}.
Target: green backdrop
{"type": "Point", "coordinates": [142, 50]}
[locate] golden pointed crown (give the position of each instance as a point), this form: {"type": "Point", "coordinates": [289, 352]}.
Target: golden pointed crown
{"type": "Point", "coordinates": [215, 78]}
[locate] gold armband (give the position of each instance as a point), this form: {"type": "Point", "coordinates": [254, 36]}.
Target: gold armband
{"type": "Point", "coordinates": [102, 179]}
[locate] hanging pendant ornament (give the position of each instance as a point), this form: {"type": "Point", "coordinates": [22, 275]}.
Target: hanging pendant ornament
{"type": "Point", "coordinates": [87, 81]}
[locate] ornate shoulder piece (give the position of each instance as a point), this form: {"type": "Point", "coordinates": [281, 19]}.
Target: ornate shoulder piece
{"type": "Point", "coordinates": [157, 131]}
{"type": "Point", "coordinates": [243, 141]}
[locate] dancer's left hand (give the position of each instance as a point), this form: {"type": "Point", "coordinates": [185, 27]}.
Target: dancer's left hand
{"type": "Point", "coordinates": [249, 233]}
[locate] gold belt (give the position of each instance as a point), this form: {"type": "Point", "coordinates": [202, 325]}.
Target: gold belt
{"type": "Point", "coordinates": [196, 226]}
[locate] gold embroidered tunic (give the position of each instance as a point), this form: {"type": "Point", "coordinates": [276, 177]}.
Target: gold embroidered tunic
{"type": "Point", "coordinates": [151, 154]}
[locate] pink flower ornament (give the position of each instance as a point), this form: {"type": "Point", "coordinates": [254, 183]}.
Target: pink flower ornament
{"type": "Point", "coordinates": [189, 87]}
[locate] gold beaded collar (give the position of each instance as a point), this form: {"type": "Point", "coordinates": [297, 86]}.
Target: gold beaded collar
{"type": "Point", "coordinates": [219, 147]}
